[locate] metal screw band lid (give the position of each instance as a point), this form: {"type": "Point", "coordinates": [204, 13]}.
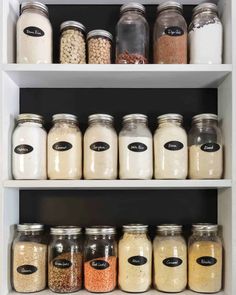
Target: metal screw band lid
{"type": "Point", "coordinates": [29, 117]}
{"type": "Point", "coordinates": [211, 7]}
{"type": "Point", "coordinates": [205, 227]}
{"type": "Point", "coordinates": [34, 4]}
{"type": "Point", "coordinates": [100, 117]}
{"type": "Point", "coordinates": [30, 227]}
{"type": "Point", "coordinates": [170, 116]}
{"type": "Point", "coordinates": [135, 228]}
{"type": "Point", "coordinates": [169, 4]}
{"type": "Point", "coordinates": [135, 117]}
{"type": "Point", "coordinates": [69, 117]}
{"type": "Point", "coordinates": [99, 33]}
{"type": "Point", "coordinates": [207, 116]}
{"type": "Point", "coordinates": [65, 230]}
{"type": "Point", "coordinates": [169, 227]}
{"type": "Point", "coordinates": [132, 6]}
{"type": "Point", "coordinates": [72, 23]}
{"type": "Point", "coordinates": [100, 230]}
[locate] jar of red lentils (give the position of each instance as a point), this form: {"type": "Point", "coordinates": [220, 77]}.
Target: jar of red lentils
{"type": "Point", "coordinates": [100, 259]}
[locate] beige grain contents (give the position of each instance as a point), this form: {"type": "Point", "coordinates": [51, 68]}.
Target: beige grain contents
{"type": "Point", "coordinates": [34, 255]}
{"type": "Point", "coordinates": [99, 50]}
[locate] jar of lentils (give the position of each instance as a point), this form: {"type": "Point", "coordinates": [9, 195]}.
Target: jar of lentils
{"type": "Point", "coordinates": [99, 47]}
{"type": "Point", "coordinates": [72, 43]}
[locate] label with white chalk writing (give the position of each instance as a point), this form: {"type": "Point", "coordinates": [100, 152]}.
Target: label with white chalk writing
{"type": "Point", "coordinates": [173, 145]}
{"type": "Point", "coordinates": [34, 32]}
{"type": "Point", "coordinates": [23, 149]}
{"type": "Point", "coordinates": [137, 147]}
{"type": "Point", "coordinates": [206, 261]}
{"type": "Point", "coordinates": [210, 147]}
{"type": "Point", "coordinates": [62, 146]}
{"type": "Point", "coordinates": [137, 260]}
{"type": "Point", "coordinates": [99, 146]}
{"type": "Point", "coordinates": [174, 31]}
{"type": "Point", "coordinates": [99, 264]}
{"type": "Point", "coordinates": [62, 263]}
{"type": "Point", "coordinates": [27, 269]}
{"type": "Point", "coordinates": [172, 261]}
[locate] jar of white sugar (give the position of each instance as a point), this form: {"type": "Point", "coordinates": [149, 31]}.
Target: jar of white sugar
{"type": "Point", "coordinates": [170, 148]}
{"type": "Point", "coordinates": [205, 148]}
{"type": "Point", "coordinates": [205, 35]}
{"type": "Point", "coordinates": [135, 148]}
{"type": "Point", "coordinates": [100, 148]}
{"type": "Point", "coordinates": [29, 144]}
{"type": "Point", "coordinates": [34, 34]}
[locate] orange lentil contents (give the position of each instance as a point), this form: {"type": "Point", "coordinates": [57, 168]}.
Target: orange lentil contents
{"type": "Point", "coordinates": [100, 275]}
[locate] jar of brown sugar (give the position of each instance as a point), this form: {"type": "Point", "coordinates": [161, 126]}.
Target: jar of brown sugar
{"type": "Point", "coordinates": [170, 34]}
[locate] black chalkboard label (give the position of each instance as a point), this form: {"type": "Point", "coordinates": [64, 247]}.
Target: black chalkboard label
{"type": "Point", "coordinates": [99, 146]}
{"type": "Point", "coordinates": [137, 147]}
{"type": "Point", "coordinates": [34, 32]}
{"type": "Point", "coordinates": [137, 260]}
{"type": "Point", "coordinates": [210, 147]}
{"type": "Point", "coordinates": [173, 145]}
{"type": "Point", "coordinates": [172, 261]}
{"type": "Point", "coordinates": [23, 149]}
{"type": "Point", "coordinates": [62, 146]}
{"type": "Point", "coordinates": [27, 269]}
{"type": "Point", "coordinates": [99, 264]}
{"type": "Point", "coordinates": [206, 261]}
{"type": "Point", "coordinates": [62, 263]}
{"type": "Point", "coordinates": [174, 31]}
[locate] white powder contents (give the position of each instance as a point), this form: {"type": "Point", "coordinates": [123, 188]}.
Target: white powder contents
{"type": "Point", "coordinates": [136, 157]}
{"type": "Point", "coordinates": [206, 44]}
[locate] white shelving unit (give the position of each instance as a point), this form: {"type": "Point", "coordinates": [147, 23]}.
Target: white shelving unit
{"type": "Point", "coordinates": [13, 77]}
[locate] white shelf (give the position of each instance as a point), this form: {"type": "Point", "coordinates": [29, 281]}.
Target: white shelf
{"type": "Point", "coordinates": [117, 76]}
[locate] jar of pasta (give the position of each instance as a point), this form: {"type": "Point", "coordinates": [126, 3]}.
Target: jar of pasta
{"type": "Point", "coordinates": [205, 259]}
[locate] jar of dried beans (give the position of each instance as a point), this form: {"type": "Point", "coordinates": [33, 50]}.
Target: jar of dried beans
{"type": "Point", "coordinates": [132, 35]}
{"type": "Point", "coordinates": [65, 260]}
{"type": "Point", "coordinates": [99, 47]}
{"type": "Point", "coordinates": [170, 34]}
{"type": "Point", "coordinates": [29, 259]}
{"type": "Point", "coordinates": [72, 44]}
{"type": "Point", "coordinates": [205, 259]}
{"type": "Point", "coordinates": [100, 259]}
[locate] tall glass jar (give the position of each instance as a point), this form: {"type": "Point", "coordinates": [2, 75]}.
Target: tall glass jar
{"type": "Point", "coordinates": [132, 35]}
{"type": "Point", "coordinates": [100, 148]}
{"type": "Point", "coordinates": [100, 259]}
{"type": "Point", "coordinates": [170, 148]}
{"type": "Point", "coordinates": [170, 34]}
{"type": "Point", "coordinates": [205, 259]}
{"type": "Point", "coordinates": [65, 259]}
{"type": "Point", "coordinates": [29, 148]}
{"type": "Point", "coordinates": [135, 259]}
{"type": "Point", "coordinates": [29, 258]}
{"type": "Point", "coordinates": [205, 35]}
{"type": "Point", "coordinates": [72, 43]}
{"type": "Point", "coordinates": [64, 148]}
{"type": "Point", "coordinates": [135, 148]}
{"type": "Point", "coordinates": [34, 34]}
{"type": "Point", "coordinates": [205, 148]}
{"type": "Point", "coordinates": [170, 259]}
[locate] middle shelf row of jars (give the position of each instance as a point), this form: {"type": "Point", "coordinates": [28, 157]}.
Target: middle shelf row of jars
{"type": "Point", "coordinates": [64, 154]}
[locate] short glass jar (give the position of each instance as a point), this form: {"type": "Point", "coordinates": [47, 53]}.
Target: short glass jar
{"type": "Point", "coordinates": [100, 148]}
{"type": "Point", "coordinates": [34, 34]}
{"type": "Point", "coordinates": [170, 259]}
{"type": "Point", "coordinates": [170, 34]}
{"type": "Point", "coordinates": [100, 259]}
{"type": "Point", "coordinates": [65, 259]}
{"type": "Point", "coordinates": [135, 259]}
{"type": "Point", "coordinates": [132, 35]}
{"type": "Point", "coordinates": [205, 35]}
{"type": "Point", "coordinates": [170, 148]}
{"type": "Point", "coordinates": [205, 259]}
{"type": "Point", "coordinates": [64, 148]}
{"type": "Point", "coordinates": [135, 148]}
{"type": "Point", "coordinates": [205, 148]}
{"type": "Point", "coordinates": [99, 47]}
{"type": "Point", "coordinates": [29, 148]}
{"type": "Point", "coordinates": [72, 43]}
{"type": "Point", "coordinates": [29, 258]}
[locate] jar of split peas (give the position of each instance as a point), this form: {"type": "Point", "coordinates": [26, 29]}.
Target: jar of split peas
{"type": "Point", "coordinates": [100, 259]}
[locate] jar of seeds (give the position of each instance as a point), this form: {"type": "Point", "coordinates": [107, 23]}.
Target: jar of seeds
{"type": "Point", "coordinates": [73, 45]}
{"type": "Point", "coordinates": [99, 47]}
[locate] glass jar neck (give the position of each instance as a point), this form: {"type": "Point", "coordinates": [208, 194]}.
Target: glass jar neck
{"type": "Point", "coordinates": [206, 123]}
{"type": "Point", "coordinates": [169, 10]}
{"type": "Point", "coordinates": [133, 11]}
{"type": "Point", "coordinates": [101, 122]}
{"type": "Point", "coordinates": [66, 237]}
{"type": "Point", "coordinates": [35, 10]}
{"type": "Point", "coordinates": [167, 233]}
{"type": "Point", "coordinates": [205, 233]}
{"type": "Point", "coordinates": [30, 122]}
{"type": "Point", "coordinates": [135, 232]}
{"type": "Point", "coordinates": [64, 122]}
{"type": "Point", "coordinates": [206, 12]}
{"type": "Point", "coordinates": [101, 237]}
{"type": "Point", "coordinates": [170, 122]}
{"type": "Point", "coordinates": [135, 122]}
{"type": "Point", "coordinates": [30, 233]}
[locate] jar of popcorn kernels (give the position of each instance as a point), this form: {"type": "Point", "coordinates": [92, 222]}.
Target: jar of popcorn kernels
{"type": "Point", "coordinates": [73, 44]}
{"type": "Point", "coordinates": [99, 47]}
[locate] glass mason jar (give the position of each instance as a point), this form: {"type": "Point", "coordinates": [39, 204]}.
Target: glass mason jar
{"type": "Point", "coordinates": [132, 35]}
{"type": "Point", "coordinates": [29, 258]}
{"type": "Point", "coordinates": [135, 259]}
{"type": "Point", "coordinates": [34, 34]}
{"type": "Point", "coordinates": [100, 259]}
{"type": "Point", "coordinates": [170, 259]}
{"type": "Point", "coordinates": [100, 148]}
{"type": "Point", "coordinates": [99, 47]}
{"type": "Point", "coordinates": [170, 148]}
{"type": "Point", "coordinates": [29, 148]}
{"type": "Point", "coordinates": [205, 35]}
{"type": "Point", "coordinates": [135, 148]}
{"type": "Point", "coordinates": [65, 259]}
{"type": "Point", "coordinates": [205, 259]}
{"type": "Point", "coordinates": [72, 43]}
{"type": "Point", "coordinates": [170, 34]}
{"type": "Point", "coordinates": [64, 148]}
{"type": "Point", "coordinates": [205, 148]}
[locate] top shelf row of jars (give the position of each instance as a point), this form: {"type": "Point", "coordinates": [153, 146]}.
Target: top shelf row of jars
{"type": "Point", "coordinates": [173, 42]}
